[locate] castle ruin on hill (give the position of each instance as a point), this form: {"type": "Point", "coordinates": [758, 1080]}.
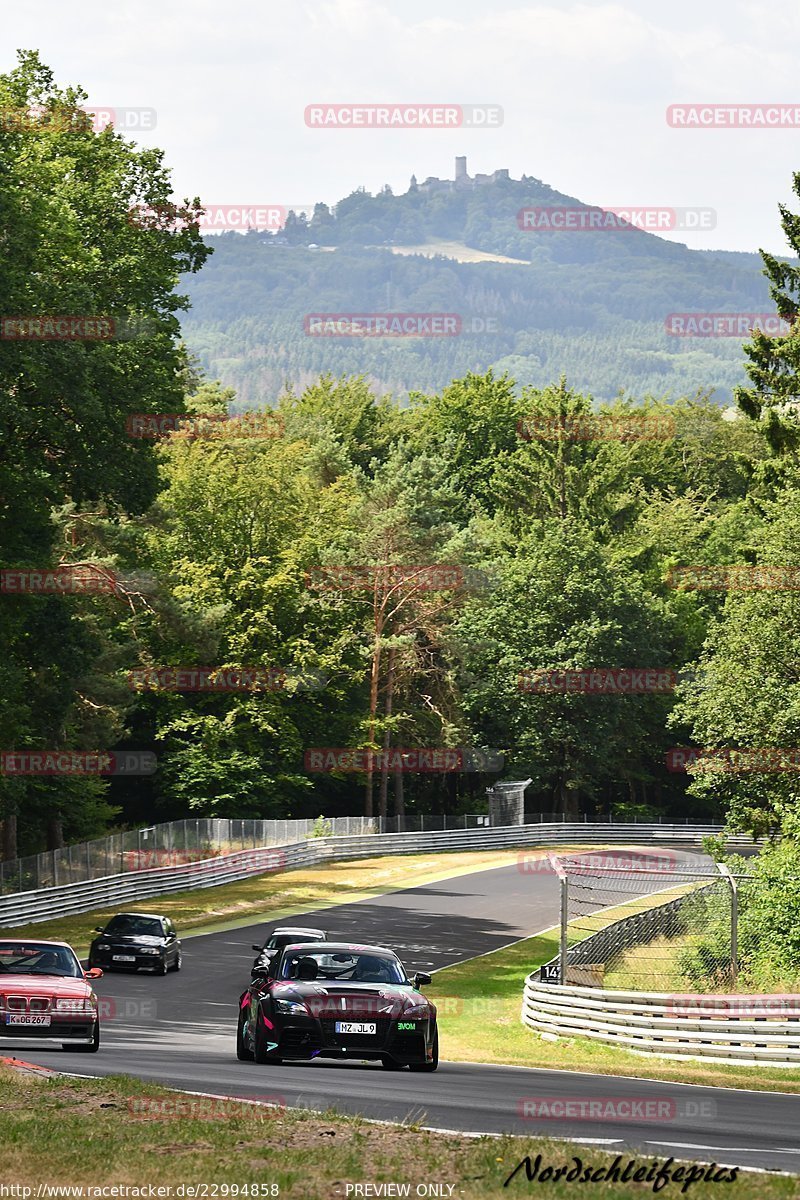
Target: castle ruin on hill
{"type": "Point", "coordinates": [461, 179]}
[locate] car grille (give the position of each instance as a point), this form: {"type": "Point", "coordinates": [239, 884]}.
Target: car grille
{"type": "Point", "coordinates": [58, 1031]}
{"type": "Point", "coordinates": [299, 1041]}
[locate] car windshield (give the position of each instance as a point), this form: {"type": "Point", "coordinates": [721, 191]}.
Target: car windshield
{"type": "Point", "coordinates": [132, 926]}
{"type": "Point", "coordinates": [279, 940]}
{"type": "Point", "coordinates": [32, 958]}
{"type": "Point", "coordinates": [350, 965]}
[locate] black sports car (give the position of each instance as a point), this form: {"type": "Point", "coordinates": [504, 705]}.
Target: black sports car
{"type": "Point", "coordinates": [133, 940]}
{"type": "Point", "coordinates": [285, 935]}
{"type": "Point", "coordinates": [338, 1000]}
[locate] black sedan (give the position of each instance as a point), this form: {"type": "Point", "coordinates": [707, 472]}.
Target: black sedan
{"type": "Point", "coordinates": [338, 1000]}
{"type": "Point", "coordinates": [137, 940]}
{"type": "Point", "coordinates": [285, 935]}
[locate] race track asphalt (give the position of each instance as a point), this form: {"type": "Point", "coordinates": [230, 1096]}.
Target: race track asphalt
{"type": "Point", "coordinates": [179, 1030]}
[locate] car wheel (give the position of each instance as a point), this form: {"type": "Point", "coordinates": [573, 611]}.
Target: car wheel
{"type": "Point", "coordinates": [178, 961]}
{"type": "Point", "coordinates": [82, 1047]}
{"type": "Point", "coordinates": [243, 1053]}
{"type": "Point", "coordinates": [390, 1064]}
{"type": "Point", "coordinates": [261, 1053]}
{"type": "Point", "coordinates": [434, 1062]}
{"type": "Point", "coordinates": [162, 967]}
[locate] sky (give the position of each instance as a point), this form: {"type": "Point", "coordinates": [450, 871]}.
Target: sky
{"type": "Point", "coordinates": [584, 89]}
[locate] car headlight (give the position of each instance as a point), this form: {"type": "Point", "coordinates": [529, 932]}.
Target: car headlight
{"type": "Point", "coordinates": [290, 1006]}
{"type": "Point", "coordinates": [103, 946]}
{"type": "Point", "coordinates": [63, 1005]}
{"type": "Point", "coordinates": [417, 1012]}
{"type": "Point", "coordinates": [147, 950]}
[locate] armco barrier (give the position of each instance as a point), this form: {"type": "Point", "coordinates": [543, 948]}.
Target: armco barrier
{"type": "Point", "coordinates": [669, 1025]}
{"type": "Point", "coordinates": [21, 908]}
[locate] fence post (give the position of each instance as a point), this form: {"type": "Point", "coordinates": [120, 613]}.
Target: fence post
{"type": "Point", "coordinates": [726, 874]}
{"type": "Point", "coordinates": [555, 862]}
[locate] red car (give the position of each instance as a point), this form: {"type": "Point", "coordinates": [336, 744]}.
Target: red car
{"type": "Point", "coordinates": [45, 995]}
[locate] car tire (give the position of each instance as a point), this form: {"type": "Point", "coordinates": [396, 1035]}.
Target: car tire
{"type": "Point", "coordinates": [243, 1052]}
{"type": "Point", "coordinates": [178, 961]}
{"type": "Point", "coordinates": [427, 1067]}
{"type": "Point", "coordinates": [260, 1052]}
{"type": "Point", "coordinates": [390, 1064]}
{"type": "Point", "coordinates": [82, 1047]}
{"type": "Point", "coordinates": [162, 967]}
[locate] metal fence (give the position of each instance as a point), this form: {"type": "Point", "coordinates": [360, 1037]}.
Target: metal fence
{"type": "Point", "coordinates": [176, 842]}
{"type": "Point", "coordinates": [167, 845]}
{"type": "Point", "coordinates": [648, 922]}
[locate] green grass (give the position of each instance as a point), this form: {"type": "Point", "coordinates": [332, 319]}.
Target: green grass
{"type": "Point", "coordinates": [480, 1003]}
{"type": "Point", "coordinates": [89, 1133]}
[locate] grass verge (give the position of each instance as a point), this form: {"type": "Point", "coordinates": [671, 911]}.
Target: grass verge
{"type": "Point", "coordinates": [114, 1132]}
{"type": "Point", "coordinates": [480, 1002]}
{"type": "Point", "coordinates": [279, 895]}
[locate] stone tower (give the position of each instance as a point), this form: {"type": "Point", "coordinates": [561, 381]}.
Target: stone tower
{"type": "Point", "coordinates": [461, 169]}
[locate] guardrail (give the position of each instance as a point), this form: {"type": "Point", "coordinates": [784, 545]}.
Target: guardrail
{"type": "Point", "coordinates": [114, 890]}
{"type": "Point", "coordinates": [749, 1030]}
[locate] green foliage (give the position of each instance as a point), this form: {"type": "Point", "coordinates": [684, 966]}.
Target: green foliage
{"type": "Point", "coordinates": [322, 828]}
{"type": "Point", "coordinates": [592, 303]}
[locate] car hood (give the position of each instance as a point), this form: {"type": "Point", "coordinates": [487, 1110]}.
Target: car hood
{"type": "Point", "coordinates": [138, 939]}
{"type": "Point", "coordinates": [335, 999]}
{"type": "Point", "coordinates": [43, 985]}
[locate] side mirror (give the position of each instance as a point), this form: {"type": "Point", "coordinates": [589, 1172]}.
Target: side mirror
{"type": "Point", "coordinates": [255, 947]}
{"type": "Point", "coordinates": [420, 979]}
{"type": "Point", "coordinates": [260, 973]}
{"type": "Point", "coordinates": [93, 973]}
{"type": "Point", "coordinates": [97, 929]}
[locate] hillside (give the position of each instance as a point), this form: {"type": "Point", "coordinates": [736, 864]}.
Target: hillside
{"type": "Point", "coordinates": [589, 303]}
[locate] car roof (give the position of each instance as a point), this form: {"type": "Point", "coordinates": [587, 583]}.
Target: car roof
{"type": "Point", "coordinates": [295, 929]}
{"type": "Point", "coordinates": [341, 948]}
{"type": "Point", "coordinates": [30, 942]}
{"type": "Point", "coordinates": [150, 916]}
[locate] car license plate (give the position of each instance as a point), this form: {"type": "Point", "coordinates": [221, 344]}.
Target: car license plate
{"type": "Point", "coordinates": [123, 958]}
{"type": "Point", "coordinates": [356, 1027]}
{"type": "Point", "coordinates": [26, 1019]}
